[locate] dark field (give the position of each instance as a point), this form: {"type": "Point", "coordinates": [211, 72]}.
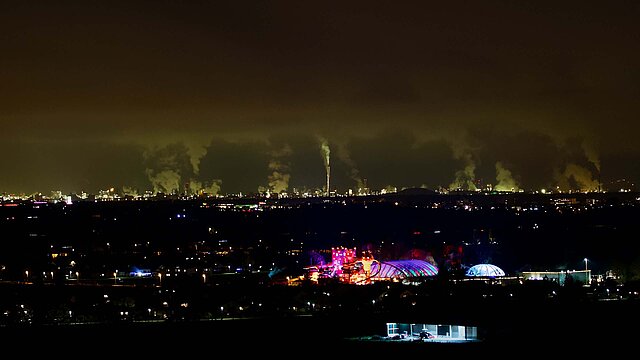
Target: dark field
{"type": "Point", "coordinates": [561, 329]}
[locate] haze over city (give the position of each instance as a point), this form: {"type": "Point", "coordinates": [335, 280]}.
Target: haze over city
{"type": "Point", "coordinates": [231, 97]}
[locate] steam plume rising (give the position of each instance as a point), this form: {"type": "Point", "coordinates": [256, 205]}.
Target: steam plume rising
{"type": "Point", "coordinates": [195, 186]}
{"type": "Point", "coordinates": [326, 152]}
{"type": "Point", "coordinates": [278, 181]}
{"type": "Point", "coordinates": [165, 181]}
{"type": "Point", "coordinates": [167, 166]}
{"type": "Point", "coordinates": [505, 180]}
{"type": "Point", "coordinates": [592, 155]}
{"type": "Point", "coordinates": [213, 188]}
{"type": "Point", "coordinates": [196, 152]}
{"type": "Point", "coordinates": [279, 178]}
{"type": "Point", "coordinates": [582, 177]}
{"type": "Point", "coordinates": [464, 178]}
{"type": "Point", "coordinates": [129, 191]}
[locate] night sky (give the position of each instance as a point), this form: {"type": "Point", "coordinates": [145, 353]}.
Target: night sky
{"type": "Point", "coordinates": [236, 96]}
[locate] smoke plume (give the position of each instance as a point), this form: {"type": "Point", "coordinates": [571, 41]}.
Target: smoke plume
{"type": "Point", "coordinates": [464, 178]}
{"type": "Point", "coordinates": [594, 157]}
{"type": "Point", "coordinates": [164, 181]}
{"type": "Point", "coordinates": [213, 187]}
{"type": "Point", "coordinates": [195, 186]}
{"type": "Point", "coordinates": [196, 152]}
{"type": "Point", "coordinates": [592, 154]}
{"type": "Point", "coordinates": [326, 152]}
{"type": "Point", "coordinates": [129, 191]}
{"type": "Point", "coordinates": [278, 181]}
{"type": "Point", "coordinates": [505, 180]}
{"type": "Point", "coordinates": [167, 166]}
{"type": "Point", "coordinates": [582, 177]}
{"type": "Point", "coordinates": [279, 177]}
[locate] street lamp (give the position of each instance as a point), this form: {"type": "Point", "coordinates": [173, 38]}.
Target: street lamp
{"type": "Point", "coordinates": [586, 270]}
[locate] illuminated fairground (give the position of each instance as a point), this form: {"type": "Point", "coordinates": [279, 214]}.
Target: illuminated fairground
{"type": "Point", "coordinates": [347, 267]}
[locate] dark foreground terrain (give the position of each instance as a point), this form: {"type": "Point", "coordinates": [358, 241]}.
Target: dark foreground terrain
{"type": "Point", "coordinates": [572, 329]}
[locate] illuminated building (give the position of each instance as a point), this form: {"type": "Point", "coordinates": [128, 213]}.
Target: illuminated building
{"type": "Point", "coordinates": [401, 269]}
{"type": "Point", "coordinates": [561, 277]}
{"type": "Point", "coordinates": [341, 258]}
{"type": "Point", "coordinates": [367, 262]}
{"type": "Point", "coordinates": [485, 270]}
{"type": "Point", "coordinates": [365, 270]}
{"type": "Point", "coordinates": [432, 332]}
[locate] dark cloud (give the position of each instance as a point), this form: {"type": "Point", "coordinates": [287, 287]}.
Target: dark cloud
{"type": "Point", "coordinates": [307, 166]}
{"type": "Point", "coordinates": [535, 160]}
{"type": "Point", "coordinates": [70, 167]}
{"type": "Point", "coordinates": [151, 73]}
{"type": "Point", "coordinates": [532, 157]}
{"type": "Point", "coordinates": [242, 167]}
{"type": "Point", "coordinates": [396, 158]}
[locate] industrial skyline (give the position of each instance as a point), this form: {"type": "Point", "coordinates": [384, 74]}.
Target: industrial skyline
{"type": "Point", "coordinates": [235, 98]}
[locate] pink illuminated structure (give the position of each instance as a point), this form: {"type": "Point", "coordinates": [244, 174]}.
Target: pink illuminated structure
{"type": "Point", "coordinates": [348, 268]}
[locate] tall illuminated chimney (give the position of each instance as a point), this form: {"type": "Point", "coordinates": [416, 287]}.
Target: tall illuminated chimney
{"type": "Point", "coordinates": [326, 151]}
{"type": "Point", "coordinates": [328, 177]}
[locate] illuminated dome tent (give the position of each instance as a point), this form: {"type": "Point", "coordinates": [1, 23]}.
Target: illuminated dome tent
{"type": "Point", "coordinates": [486, 270]}
{"type": "Point", "coordinates": [401, 269]}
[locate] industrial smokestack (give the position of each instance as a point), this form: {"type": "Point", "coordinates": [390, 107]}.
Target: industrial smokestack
{"type": "Point", "coordinates": [326, 152]}
{"type": "Point", "coordinates": [328, 179]}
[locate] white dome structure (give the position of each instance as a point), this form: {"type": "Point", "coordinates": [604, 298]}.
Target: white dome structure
{"type": "Point", "coordinates": [485, 270]}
